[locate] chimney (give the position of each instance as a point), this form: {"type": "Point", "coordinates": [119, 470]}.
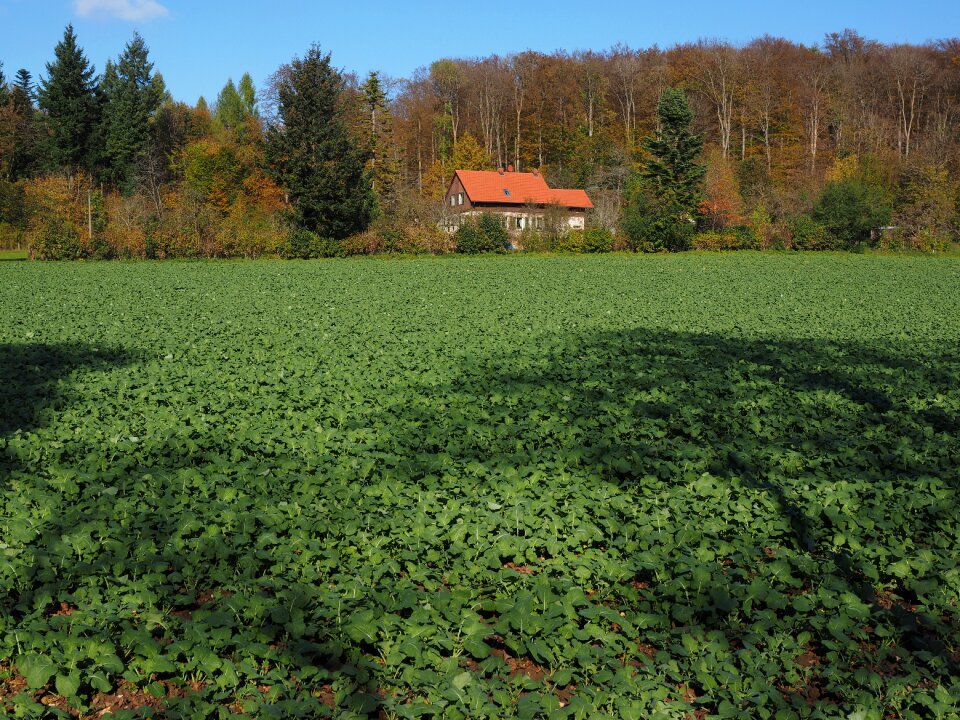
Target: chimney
{"type": "Point", "coordinates": [509, 168]}
{"type": "Point", "coordinates": [500, 170]}
{"type": "Point", "coordinates": [536, 173]}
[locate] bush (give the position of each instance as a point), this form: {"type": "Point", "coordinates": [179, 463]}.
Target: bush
{"type": "Point", "coordinates": [807, 234]}
{"type": "Point", "coordinates": [496, 235]}
{"type": "Point", "coordinates": [571, 242]}
{"type": "Point", "coordinates": [716, 240]}
{"type": "Point", "coordinates": [302, 244]}
{"type": "Point", "coordinates": [651, 228]}
{"type": "Point", "coordinates": [485, 235]}
{"type": "Point", "coordinates": [597, 240]}
{"type": "Point", "coordinates": [850, 209]}
{"type": "Point", "coordinates": [930, 240]}
{"type": "Point", "coordinates": [399, 236]}
{"type": "Point", "coordinates": [532, 240]}
{"type": "Point", "coordinates": [56, 239]}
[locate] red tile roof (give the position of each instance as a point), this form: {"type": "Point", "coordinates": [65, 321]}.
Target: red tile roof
{"type": "Point", "coordinates": [517, 188]}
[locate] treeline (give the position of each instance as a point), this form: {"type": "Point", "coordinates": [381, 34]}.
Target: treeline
{"type": "Point", "coordinates": [839, 146]}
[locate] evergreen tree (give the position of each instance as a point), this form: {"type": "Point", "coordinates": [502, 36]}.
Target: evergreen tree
{"type": "Point", "coordinates": [672, 171]}
{"type": "Point", "coordinates": [378, 140]}
{"type": "Point", "coordinates": [133, 96]}
{"type": "Point", "coordinates": [313, 156]}
{"type": "Point", "coordinates": [229, 110]}
{"type": "Point", "coordinates": [4, 92]}
{"type": "Point", "coordinates": [23, 92]}
{"type": "Point", "coordinates": [661, 214]}
{"type": "Point", "coordinates": [68, 95]}
{"type": "Point", "coordinates": [24, 153]}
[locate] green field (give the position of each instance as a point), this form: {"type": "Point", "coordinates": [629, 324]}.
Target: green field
{"type": "Point", "coordinates": [687, 486]}
{"type": "Point", "coordinates": [13, 255]}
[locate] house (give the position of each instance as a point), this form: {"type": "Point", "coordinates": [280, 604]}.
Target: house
{"type": "Point", "coordinates": [522, 199]}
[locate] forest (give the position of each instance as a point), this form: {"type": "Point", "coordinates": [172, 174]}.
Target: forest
{"type": "Point", "coordinates": [845, 145]}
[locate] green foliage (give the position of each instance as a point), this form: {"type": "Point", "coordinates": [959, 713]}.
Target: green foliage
{"type": "Point", "coordinates": [808, 234]}
{"type": "Point", "coordinates": [57, 239]}
{"type": "Point", "coordinates": [484, 235]}
{"type": "Point", "coordinates": [133, 94]}
{"type": "Point", "coordinates": [231, 107]}
{"type": "Point", "coordinates": [592, 240]}
{"type": "Point", "coordinates": [652, 227]}
{"type": "Point", "coordinates": [663, 207]}
{"type": "Point", "coordinates": [302, 244]}
{"type": "Point", "coordinates": [672, 170]}
{"type": "Point", "coordinates": [379, 144]}
{"type": "Point", "coordinates": [925, 203]}
{"type": "Point", "coordinates": [248, 95]}
{"type": "Point", "coordinates": [717, 240]}
{"type": "Point", "coordinates": [313, 156]}
{"type": "Point", "coordinates": [72, 107]}
{"type": "Point", "coordinates": [472, 487]}
{"type": "Point", "coordinates": [851, 209]}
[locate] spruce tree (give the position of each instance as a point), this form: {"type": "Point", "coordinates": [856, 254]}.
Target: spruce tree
{"type": "Point", "coordinates": [661, 214]}
{"type": "Point", "coordinates": [68, 96]}
{"type": "Point", "coordinates": [313, 156]}
{"type": "Point", "coordinates": [4, 92]}
{"type": "Point", "coordinates": [24, 154]}
{"type": "Point", "coordinates": [133, 94]}
{"type": "Point", "coordinates": [23, 91]}
{"type": "Point", "coordinates": [378, 141]}
{"type": "Point", "coordinates": [672, 170]}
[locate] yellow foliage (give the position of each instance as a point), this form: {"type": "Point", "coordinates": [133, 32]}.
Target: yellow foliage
{"type": "Point", "coordinates": [843, 168]}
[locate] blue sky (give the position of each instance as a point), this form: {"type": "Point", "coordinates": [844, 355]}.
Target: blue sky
{"type": "Point", "coordinates": [198, 44]}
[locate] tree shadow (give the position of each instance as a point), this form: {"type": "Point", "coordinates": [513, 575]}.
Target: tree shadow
{"type": "Point", "coordinates": [35, 384]}
{"type": "Point", "coordinates": [806, 489]}
{"type": "Point", "coordinates": [711, 505]}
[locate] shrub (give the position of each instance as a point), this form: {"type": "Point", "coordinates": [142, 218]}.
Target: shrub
{"type": "Point", "coordinates": [850, 209]}
{"type": "Point", "coordinates": [485, 235]}
{"type": "Point", "coordinates": [930, 240]}
{"type": "Point", "coordinates": [248, 232]}
{"type": "Point", "coordinates": [302, 244]}
{"type": "Point", "coordinates": [716, 240]}
{"type": "Point", "coordinates": [597, 240]}
{"type": "Point", "coordinates": [496, 235]}
{"type": "Point", "coordinates": [469, 239]}
{"type": "Point", "coordinates": [652, 228]}
{"type": "Point", "coordinates": [807, 234]}
{"type": "Point", "coordinates": [532, 240]}
{"type": "Point", "coordinates": [56, 239]}
{"type": "Point", "coordinates": [571, 242]}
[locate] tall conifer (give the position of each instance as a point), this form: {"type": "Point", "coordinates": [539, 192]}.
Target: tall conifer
{"type": "Point", "coordinates": [133, 95]}
{"type": "Point", "coordinates": [69, 98]}
{"type": "Point", "coordinates": [672, 170]}
{"type": "Point", "coordinates": [313, 156]}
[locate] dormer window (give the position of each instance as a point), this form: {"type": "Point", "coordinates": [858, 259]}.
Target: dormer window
{"type": "Point", "coordinates": [506, 192]}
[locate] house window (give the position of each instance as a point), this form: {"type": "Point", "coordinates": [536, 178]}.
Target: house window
{"type": "Point", "coordinates": [460, 199]}
{"type": "Point", "coordinates": [539, 222]}
{"type": "Point", "coordinates": [519, 220]}
{"type": "Point", "coordinates": [453, 201]}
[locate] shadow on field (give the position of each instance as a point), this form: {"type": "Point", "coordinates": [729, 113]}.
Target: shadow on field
{"type": "Point", "coordinates": [34, 384]}
{"type": "Point", "coordinates": [838, 464]}
{"type": "Point", "coordinates": [802, 478]}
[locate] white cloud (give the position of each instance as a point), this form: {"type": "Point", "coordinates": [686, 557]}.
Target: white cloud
{"type": "Point", "coordinates": [133, 10]}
